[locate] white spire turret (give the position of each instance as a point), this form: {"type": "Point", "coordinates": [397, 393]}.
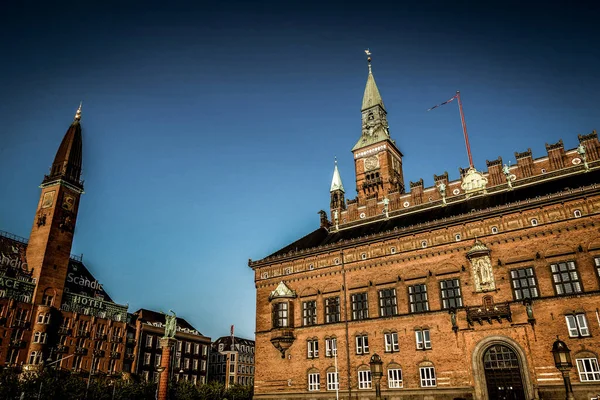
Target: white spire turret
{"type": "Point", "coordinates": [336, 181]}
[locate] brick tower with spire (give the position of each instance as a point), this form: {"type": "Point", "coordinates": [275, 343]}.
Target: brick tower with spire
{"type": "Point", "coordinates": [51, 238]}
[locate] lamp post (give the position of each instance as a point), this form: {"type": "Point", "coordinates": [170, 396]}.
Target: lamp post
{"type": "Point", "coordinates": [376, 373]}
{"type": "Point", "coordinates": [562, 360]}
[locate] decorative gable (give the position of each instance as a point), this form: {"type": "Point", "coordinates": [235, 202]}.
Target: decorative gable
{"type": "Point", "coordinates": [282, 291]}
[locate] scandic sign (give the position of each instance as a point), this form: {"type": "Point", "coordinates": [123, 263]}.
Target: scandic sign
{"type": "Point", "coordinates": [83, 281]}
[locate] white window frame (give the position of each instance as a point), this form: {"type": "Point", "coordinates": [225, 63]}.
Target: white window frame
{"type": "Point", "coordinates": [146, 358]}
{"type": "Point", "coordinates": [196, 348]}
{"type": "Point", "coordinates": [312, 348]}
{"type": "Point", "coordinates": [494, 230]}
{"type": "Point", "coordinates": [157, 359]}
{"type": "Point", "coordinates": [391, 342]}
{"type": "Point", "coordinates": [330, 347]}
{"type": "Point", "coordinates": [364, 379]}
{"type": "Point", "coordinates": [588, 375]}
{"type": "Point", "coordinates": [534, 222]}
{"type": "Point", "coordinates": [362, 344]}
{"type": "Point", "coordinates": [423, 339]}
{"type": "Point", "coordinates": [149, 340]}
{"type": "Point", "coordinates": [427, 377]}
{"type": "Point", "coordinates": [188, 347]}
{"type": "Point", "coordinates": [43, 318]}
{"type": "Point", "coordinates": [333, 381]}
{"type": "Point", "coordinates": [577, 325]}
{"type": "Point", "coordinates": [457, 237]}
{"type": "Point", "coordinates": [395, 378]}
{"type": "Point", "coordinates": [40, 337]}
{"type": "Point", "coordinates": [314, 382]}
{"type": "Point", "coordinates": [577, 213]}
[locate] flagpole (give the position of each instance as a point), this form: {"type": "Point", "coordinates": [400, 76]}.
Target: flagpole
{"type": "Point", "coordinates": [464, 125]}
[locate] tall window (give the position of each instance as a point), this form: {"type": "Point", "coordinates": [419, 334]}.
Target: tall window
{"type": "Point", "coordinates": [364, 379]}
{"type": "Point", "coordinates": [332, 309]}
{"type": "Point", "coordinates": [524, 284]}
{"type": "Point", "coordinates": [578, 326]}
{"type": "Point", "coordinates": [43, 318]}
{"type": "Point", "coordinates": [312, 348]}
{"type": "Point", "coordinates": [597, 263]}
{"type": "Point", "coordinates": [417, 297]}
{"type": "Point", "coordinates": [360, 306]}
{"type": "Point", "coordinates": [280, 315]}
{"type": "Point", "coordinates": [35, 357]}
{"type": "Point", "coordinates": [588, 369]}
{"type": "Point", "coordinates": [196, 348]}
{"type": "Point", "coordinates": [450, 291]}
{"type": "Point", "coordinates": [391, 342]}
{"type": "Point", "coordinates": [39, 337]}
{"type": "Point", "coordinates": [565, 277]}
{"type": "Point", "coordinates": [157, 359]}
{"type": "Point", "coordinates": [395, 378]}
{"type": "Point", "coordinates": [330, 347]}
{"type": "Point", "coordinates": [47, 300]}
{"type": "Point", "coordinates": [314, 381]}
{"type": "Point", "coordinates": [149, 341]}
{"type": "Point", "coordinates": [333, 381]}
{"type": "Point", "coordinates": [147, 359]}
{"type": "Point", "coordinates": [423, 340]}
{"type": "Point", "coordinates": [427, 376]}
{"type": "Point", "coordinates": [309, 312]}
{"type": "Point", "coordinates": [387, 302]}
{"type": "Point", "coordinates": [362, 344]}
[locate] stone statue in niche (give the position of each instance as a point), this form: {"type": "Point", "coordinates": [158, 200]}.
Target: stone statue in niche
{"type": "Point", "coordinates": [481, 266]}
{"type": "Point", "coordinates": [41, 221]}
{"type": "Point", "coordinates": [483, 274]}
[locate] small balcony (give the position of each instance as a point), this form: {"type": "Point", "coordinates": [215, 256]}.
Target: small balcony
{"type": "Point", "coordinates": [63, 330]}
{"type": "Point", "coordinates": [19, 324]}
{"type": "Point", "coordinates": [282, 339]}
{"type": "Point", "coordinates": [98, 353]}
{"type": "Point", "coordinates": [488, 313]}
{"type": "Point", "coordinates": [80, 350]}
{"type": "Point", "coordinates": [62, 349]}
{"type": "Point", "coordinates": [17, 343]}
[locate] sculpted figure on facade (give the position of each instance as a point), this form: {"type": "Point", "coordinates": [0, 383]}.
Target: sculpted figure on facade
{"type": "Point", "coordinates": [481, 266]}
{"type": "Point", "coordinates": [170, 325]}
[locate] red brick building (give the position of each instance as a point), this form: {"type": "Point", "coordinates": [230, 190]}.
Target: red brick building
{"type": "Point", "coordinates": [189, 357]}
{"type": "Point", "coordinates": [232, 361]}
{"type": "Point", "coordinates": [51, 307]}
{"type": "Point", "coordinates": [461, 288]}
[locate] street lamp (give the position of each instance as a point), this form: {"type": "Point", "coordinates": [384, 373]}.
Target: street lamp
{"type": "Point", "coordinates": [562, 360]}
{"type": "Point", "coordinates": [376, 373]}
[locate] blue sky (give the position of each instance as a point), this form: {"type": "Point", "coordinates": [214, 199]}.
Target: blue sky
{"type": "Point", "coordinates": [210, 128]}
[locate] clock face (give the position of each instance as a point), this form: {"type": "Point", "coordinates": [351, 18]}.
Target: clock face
{"type": "Point", "coordinates": [68, 202]}
{"type": "Point", "coordinates": [371, 163]}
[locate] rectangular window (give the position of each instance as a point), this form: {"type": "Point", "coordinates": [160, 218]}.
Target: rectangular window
{"type": "Point", "coordinates": [309, 313]}
{"type": "Point", "coordinates": [395, 378]}
{"type": "Point", "coordinates": [332, 309]}
{"type": "Point", "coordinates": [423, 340]}
{"type": "Point", "coordinates": [149, 341]}
{"type": "Point", "coordinates": [588, 369]}
{"type": "Point", "coordinates": [597, 263]}
{"type": "Point", "coordinates": [195, 365]}
{"type": "Point", "coordinates": [196, 348]}
{"type": "Point", "coordinates": [391, 342]}
{"type": "Point", "coordinates": [364, 379]}
{"type": "Point", "coordinates": [387, 302]}
{"type": "Point", "coordinates": [565, 278]}
{"type": "Point", "coordinates": [314, 381]}
{"type": "Point", "coordinates": [280, 315]}
{"type": "Point", "coordinates": [362, 344]}
{"type": "Point", "coordinates": [147, 359]}
{"type": "Point", "coordinates": [450, 292]}
{"type": "Point", "coordinates": [188, 347]}
{"type": "Point", "coordinates": [577, 325]}
{"type": "Point", "coordinates": [333, 381]}
{"type": "Point", "coordinates": [312, 349]}
{"type": "Point", "coordinates": [360, 306]}
{"type": "Point", "coordinates": [157, 359]}
{"type": "Point", "coordinates": [427, 376]}
{"type": "Point", "coordinates": [330, 347]}
{"type": "Point", "coordinates": [417, 296]}
{"type": "Point", "coordinates": [524, 283]}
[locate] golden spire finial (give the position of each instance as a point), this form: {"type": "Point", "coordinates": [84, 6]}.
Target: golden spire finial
{"type": "Point", "coordinates": [78, 113]}
{"type": "Point", "coordinates": [368, 53]}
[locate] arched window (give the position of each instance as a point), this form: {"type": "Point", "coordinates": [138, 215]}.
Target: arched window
{"type": "Point", "coordinates": [577, 214]}
{"type": "Point", "coordinates": [364, 377]}
{"type": "Point", "coordinates": [394, 376]}
{"type": "Point", "coordinates": [587, 366]}
{"type": "Point", "coordinates": [314, 380]}
{"type": "Point", "coordinates": [427, 374]}
{"type": "Point", "coordinates": [534, 222]}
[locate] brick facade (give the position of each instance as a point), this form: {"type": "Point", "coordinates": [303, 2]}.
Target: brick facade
{"type": "Point", "coordinates": [449, 281]}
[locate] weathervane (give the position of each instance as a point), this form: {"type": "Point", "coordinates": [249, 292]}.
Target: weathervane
{"type": "Point", "coordinates": [78, 113]}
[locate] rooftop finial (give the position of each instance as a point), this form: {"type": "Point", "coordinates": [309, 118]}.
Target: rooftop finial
{"type": "Point", "coordinates": [368, 53]}
{"type": "Point", "coordinates": [78, 113]}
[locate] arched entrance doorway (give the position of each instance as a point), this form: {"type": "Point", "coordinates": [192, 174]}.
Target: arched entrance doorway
{"type": "Point", "coordinates": [503, 373]}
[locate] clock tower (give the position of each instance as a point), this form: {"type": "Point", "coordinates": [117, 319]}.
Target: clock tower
{"type": "Point", "coordinates": [51, 238]}
{"type": "Point", "coordinates": [377, 159]}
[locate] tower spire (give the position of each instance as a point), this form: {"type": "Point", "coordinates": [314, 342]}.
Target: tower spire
{"type": "Point", "coordinates": [336, 181]}
{"type": "Point", "coordinates": [78, 113]}
{"type": "Point", "coordinates": [371, 96]}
